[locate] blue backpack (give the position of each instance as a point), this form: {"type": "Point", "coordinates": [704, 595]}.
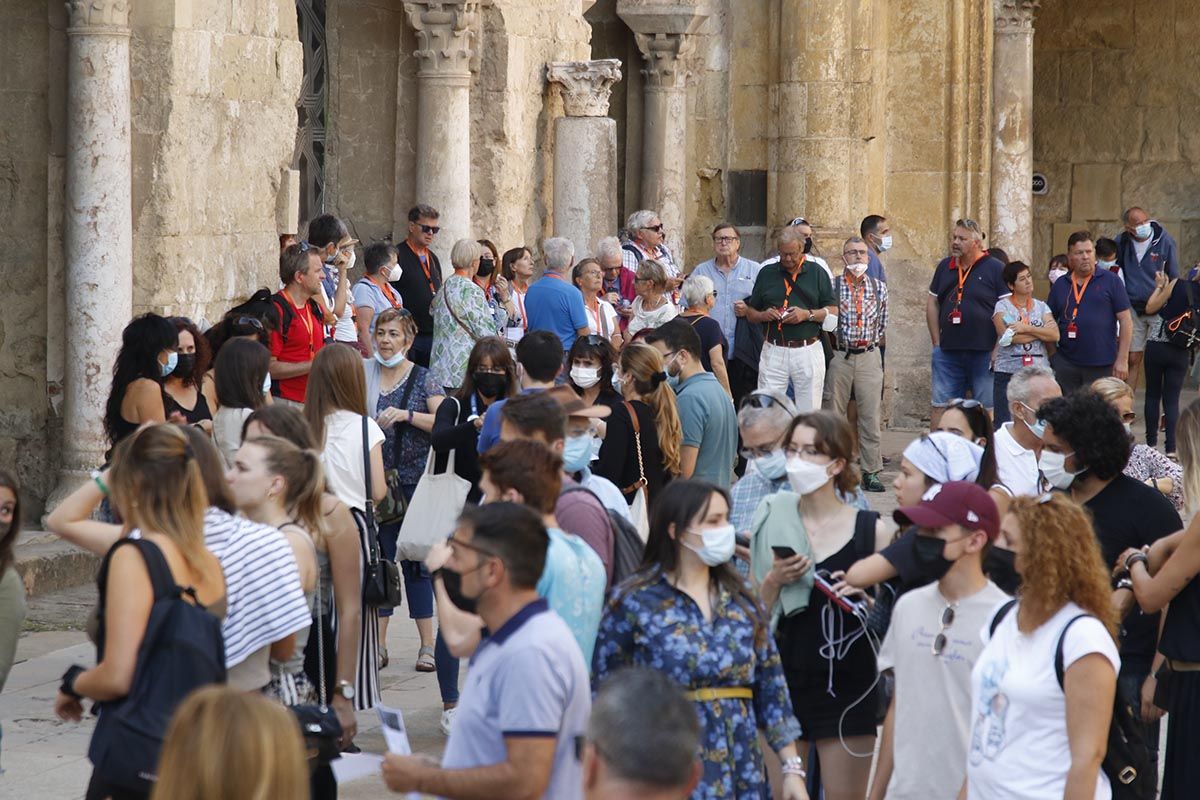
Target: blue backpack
{"type": "Point", "coordinates": [182, 650]}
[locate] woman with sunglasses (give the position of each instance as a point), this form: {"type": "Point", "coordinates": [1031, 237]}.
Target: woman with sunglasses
{"type": "Point", "coordinates": [1146, 464]}
{"type": "Point", "coordinates": [1032, 735]}
{"type": "Point", "coordinates": [688, 614]}
{"type": "Point", "coordinates": [652, 306]}
{"type": "Point", "coordinates": [827, 659]}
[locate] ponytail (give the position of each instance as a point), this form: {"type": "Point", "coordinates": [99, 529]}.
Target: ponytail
{"type": "Point", "coordinates": [644, 364]}
{"type": "Point", "coordinates": [304, 477]}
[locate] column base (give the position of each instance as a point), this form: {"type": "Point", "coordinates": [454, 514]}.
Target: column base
{"type": "Point", "coordinates": [68, 481]}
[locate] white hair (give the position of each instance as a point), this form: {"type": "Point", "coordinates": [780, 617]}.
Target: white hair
{"type": "Point", "coordinates": [608, 247]}
{"type": "Point", "coordinates": [695, 289]}
{"type": "Point", "coordinates": [559, 253]}
{"type": "Point", "coordinates": [465, 253]}
{"type": "Point", "coordinates": [638, 220]}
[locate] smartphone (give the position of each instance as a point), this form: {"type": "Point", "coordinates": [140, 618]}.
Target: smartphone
{"type": "Point", "coordinates": [742, 540]}
{"type": "Point", "coordinates": [783, 552]}
{"type": "Point", "coordinates": [823, 585]}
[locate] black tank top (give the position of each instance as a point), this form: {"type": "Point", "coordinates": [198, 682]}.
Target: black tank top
{"type": "Point", "coordinates": [1180, 638]}
{"type": "Point", "coordinates": [199, 412]}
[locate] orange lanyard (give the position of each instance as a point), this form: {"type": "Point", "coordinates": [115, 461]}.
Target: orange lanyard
{"type": "Point", "coordinates": [305, 319]}
{"type": "Point", "coordinates": [1026, 314]}
{"type": "Point", "coordinates": [388, 293]}
{"type": "Point", "coordinates": [790, 284]}
{"type": "Point", "coordinates": [1078, 291]}
{"type": "Point", "coordinates": [962, 277]}
{"type": "Point", "coordinates": [423, 257]}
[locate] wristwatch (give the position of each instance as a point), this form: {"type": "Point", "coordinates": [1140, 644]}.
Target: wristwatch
{"type": "Point", "coordinates": [1125, 583]}
{"type": "Point", "coordinates": [345, 689]}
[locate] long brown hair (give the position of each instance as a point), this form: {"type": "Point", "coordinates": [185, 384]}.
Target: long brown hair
{"type": "Point", "coordinates": [1059, 560]}
{"type": "Point", "coordinates": [303, 476]}
{"type": "Point", "coordinates": [232, 745]}
{"type": "Point", "coordinates": [336, 383]}
{"type": "Point", "coordinates": [644, 364]}
{"type": "Point", "coordinates": [496, 349]}
{"type": "Point", "coordinates": [8, 538]}
{"type": "Point", "coordinates": [157, 487]}
{"type": "Point", "coordinates": [834, 439]}
{"type": "Point", "coordinates": [1187, 433]}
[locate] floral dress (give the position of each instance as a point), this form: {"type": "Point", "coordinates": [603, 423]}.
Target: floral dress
{"type": "Point", "coordinates": [452, 342]}
{"type": "Point", "coordinates": [658, 626]}
{"type": "Point", "coordinates": [407, 455]}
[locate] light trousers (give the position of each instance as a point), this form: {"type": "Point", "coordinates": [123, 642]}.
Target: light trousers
{"type": "Point", "coordinates": [861, 374]}
{"type": "Point", "coordinates": [802, 367]}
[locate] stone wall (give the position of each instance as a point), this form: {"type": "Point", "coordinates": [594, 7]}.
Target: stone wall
{"type": "Point", "coordinates": [1116, 119]}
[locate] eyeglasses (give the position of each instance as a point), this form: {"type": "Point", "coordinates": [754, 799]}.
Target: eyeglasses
{"type": "Point", "coordinates": [714, 294]}
{"type": "Point", "coordinates": [751, 453]}
{"type": "Point", "coordinates": [429, 228]}
{"type": "Point", "coordinates": [468, 546]}
{"type": "Point", "coordinates": [941, 640]}
{"type": "Point", "coordinates": [760, 400]}
{"type": "Point", "coordinates": [725, 239]}
{"type": "Point", "coordinates": [656, 228]}
{"type": "Point", "coordinates": [960, 402]}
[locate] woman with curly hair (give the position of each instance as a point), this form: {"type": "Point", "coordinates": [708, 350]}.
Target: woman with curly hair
{"type": "Point", "coordinates": [1167, 574]}
{"type": "Point", "coordinates": [1031, 737]}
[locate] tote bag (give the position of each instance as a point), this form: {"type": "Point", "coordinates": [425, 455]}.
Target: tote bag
{"type": "Point", "coordinates": [436, 505]}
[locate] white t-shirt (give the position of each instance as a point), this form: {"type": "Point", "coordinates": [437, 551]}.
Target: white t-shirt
{"type": "Point", "coordinates": [1019, 748]}
{"type": "Point", "coordinates": [1016, 467]}
{"type": "Point", "coordinates": [933, 693]}
{"type": "Point", "coordinates": [343, 456]}
{"type": "Point", "coordinates": [820, 262]}
{"type": "Point", "coordinates": [603, 321]}
{"type": "Point", "coordinates": [344, 330]}
{"type": "Point", "coordinates": [1139, 250]}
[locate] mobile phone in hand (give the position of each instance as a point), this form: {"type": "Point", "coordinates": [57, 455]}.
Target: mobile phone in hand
{"type": "Point", "coordinates": [742, 540]}
{"type": "Point", "coordinates": [783, 552]}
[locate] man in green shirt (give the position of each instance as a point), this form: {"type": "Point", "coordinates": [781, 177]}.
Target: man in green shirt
{"type": "Point", "coordinates": [794, 301]}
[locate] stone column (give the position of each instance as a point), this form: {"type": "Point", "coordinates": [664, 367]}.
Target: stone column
{"type": "Point", "coordinates": [1012, 128]}
{"type": "Point", "coordinates": [98, 225]}
{"type": "Point", "coordinates": [585, 153]}
{"type": "Point", "coordinates": [665, 36]}
{"type": "Point", "coordinates": [446, 49]}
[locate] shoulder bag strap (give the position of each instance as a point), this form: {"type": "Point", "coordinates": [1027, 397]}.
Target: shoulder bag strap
{"type": "Point", "coordinates": [1058, 651]}
{"type": "Point", "coordinates": [864, 533]}
{"type": "Point", "coordinates": [450, 308]}
{"type": "Point", "coordinates": [637, 439]}
{"type": "Point", "coordinates": [1000, 615]}
{"type": "Point", "coordinates": [372, 531]}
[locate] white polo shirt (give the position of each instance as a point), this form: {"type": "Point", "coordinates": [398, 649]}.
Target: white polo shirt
{"type": "Point", "coordinates": [1016, 468]}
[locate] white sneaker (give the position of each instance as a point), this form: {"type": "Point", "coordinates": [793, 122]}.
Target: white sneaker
{"type": "Point", "coordinates": [448, 719]}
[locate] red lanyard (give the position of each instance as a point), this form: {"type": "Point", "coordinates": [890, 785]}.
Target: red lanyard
{"type": "Point", "coordinates": [1078, 291]}
{"type": "Point", "coordinates": [858, 291]}
{"type": "Point", "coordinates": [305, 319]}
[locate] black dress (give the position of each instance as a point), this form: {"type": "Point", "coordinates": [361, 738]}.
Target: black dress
{"type": "Point", "coordinates": [822, 689]}
{"type": "Point", "coordinates": [197, 413]}
{"type": "Point", "coordinates": [618, 453]}
{"type": "Point", "coordinates": [451, 431]}
{"type": "Point", "coordinates": [1180, 641]}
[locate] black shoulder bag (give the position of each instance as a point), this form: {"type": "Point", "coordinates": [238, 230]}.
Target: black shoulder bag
{"type": "Point", "coordinates": [381, 577]}
{"type": "Point", "coordinates": [1181, 332]}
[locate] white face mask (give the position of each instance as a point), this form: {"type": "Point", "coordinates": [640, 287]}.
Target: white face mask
{"type": "Point", "coordinates": [885, 243]}
{"type": "Point", "coordinates": [856, 270]}
{"type": "Point", "coordinates": [585, 377]}
{"type": "Point", "coordinates": [1106, 264]}
{"type": "Point", "coordinates": [1055, 274]}
{"type": "Point", "coordinates": [806, 477]}
{"type": "Point", "coordinates": [1129, 428]}
{"type": "Point", "coordinates": [616, 382]}
{"type": "Point", "coordinates": [267, 384]}
{"type": "Point", "coordinates": [1053, 466]}
{"type": "Point", "coordinates": [718, 545]}
{"type": "Point", "coordinates": [394, 273]}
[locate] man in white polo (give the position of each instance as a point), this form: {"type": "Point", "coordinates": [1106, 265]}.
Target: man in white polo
{"type": "Point", "coordinates": [1019, 443]}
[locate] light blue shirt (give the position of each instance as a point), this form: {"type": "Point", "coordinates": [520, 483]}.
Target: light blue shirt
{"type": "Point", "coordinates": [573, 582]}
{"type": "Point", "coordinates": [709, 424]}
{"type": "Point", "coordinates": [736, 285]}
{"type": "Point", "coordinates": [606, 492]}
{"type": "Point", "coordinates": [555, 304]}
{"type": "Point", "coordinates": [527, 679]}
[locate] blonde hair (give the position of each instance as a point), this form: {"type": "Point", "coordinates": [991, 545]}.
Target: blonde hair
{"type": "Point", "coordinates": [1060, 560]}
{"type": "Point", "coordinates": [335, 383]}
{"type": "Point", "coordinates": [157, 488]}
{"type": "Point", "coordinates": [232, 745]}
{"type": "Point", "coordinates": [1111, 389]}
{"type": "Point", "coordinates": [304, 478]}
{"type": "Point", "coordinates": [653, 271]}
{"type": "Point", "coordinates": [465, 253]}
{"type": "Point", "coordinates": [1187, 441]}
{"type": "Point", "coordinates": [644, 364]}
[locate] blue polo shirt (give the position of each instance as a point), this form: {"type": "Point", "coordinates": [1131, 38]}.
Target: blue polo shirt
{"type": "Point", "coordinates": [982, 289]}
{"type": "Point", "coordinates": [1095, 344]}
{"type": "Point", "coordinates": [554, 304]}
{"type": "Point", "coordinates": [489, 432]}
{"type": "Point", "coordinates": [710, 424]}
{"type": "Point", "coordinates": [874, 265]}
{"type": "Point", "coordinates": [527, 679]}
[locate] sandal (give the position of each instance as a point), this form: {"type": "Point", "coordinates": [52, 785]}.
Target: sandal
{"type": "Point", "coordinates": [425, 662]}
{"type": "Point", "coordinates": [383, 657]}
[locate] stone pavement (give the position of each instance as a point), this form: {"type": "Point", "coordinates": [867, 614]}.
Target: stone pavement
{"type": "Point", "coordinates": [43, 757]}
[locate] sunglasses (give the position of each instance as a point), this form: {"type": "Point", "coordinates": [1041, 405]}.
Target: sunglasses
{"type": "Point", "coordinates": [960, 402]}
{"type": "Point", "coordinates": [249, 322]}
{"type": "Point", "coordinates": [941, 640]}
{"type": "Point", "coordinates": [305, 247]}
{"type": "Point", "coordinates": [656, 228]}
{"type": "Point", "coordinates": [760, 400]}
{"type": "Point", "coordinates": [429, 228]}
{"type": "Point", "coordinates": [798, 221]}
{"type": "Point", "coordinates": [594, 340]}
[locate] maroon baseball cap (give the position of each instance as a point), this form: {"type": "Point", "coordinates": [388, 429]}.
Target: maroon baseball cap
{"type": "Point", "coordinates": [954, 503]}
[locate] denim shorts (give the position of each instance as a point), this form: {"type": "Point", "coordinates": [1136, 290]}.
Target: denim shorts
{"type": "Point", "coordinates": [956, 372]}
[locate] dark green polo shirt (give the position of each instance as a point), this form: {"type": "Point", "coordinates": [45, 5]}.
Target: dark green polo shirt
{"type": "Point", "coordinates": [811, 290]}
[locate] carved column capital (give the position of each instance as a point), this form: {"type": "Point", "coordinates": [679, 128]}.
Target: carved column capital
{"type": "Point", "coordinates": [447, 35]}
{"type": "Point", "coordinates": [1016, 15]}
{"type": "Point", "coordinates": [107, 16]}
{"type": "Point", "coordinates": [664, 30]}
{"type": "Point", "coordinates": [586, 85]}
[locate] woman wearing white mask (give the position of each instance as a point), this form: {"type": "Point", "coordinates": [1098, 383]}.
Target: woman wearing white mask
{"type": "Point", "coordinates": [399, 398]}
{"type": "Point", "coordinates": [689, 615]}
{"type": "Point", "coordinates": [373, 294]}
{"type": "Point", "coordinates": [243, 384]}
{"type": "Point", "coordinates": [591, 363]}
{"type": "Point", "coordinates": [828, 662]}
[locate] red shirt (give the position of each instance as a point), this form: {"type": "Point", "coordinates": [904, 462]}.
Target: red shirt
{"type": "Point", "coordinates": [305, 336]}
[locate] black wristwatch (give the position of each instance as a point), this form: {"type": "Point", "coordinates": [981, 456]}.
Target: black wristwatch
{"type": "Point", "coordinates": [68, 681]}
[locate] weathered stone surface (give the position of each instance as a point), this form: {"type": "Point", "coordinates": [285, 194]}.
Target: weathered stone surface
{"type": "Point", "coordinates": [1096, 191]}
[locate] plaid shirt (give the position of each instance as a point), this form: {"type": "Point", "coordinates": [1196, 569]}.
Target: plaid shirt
{"type": "Point", "coordinates": [857, 330]}
{"type": "Point", "coordinates": [630, 259]}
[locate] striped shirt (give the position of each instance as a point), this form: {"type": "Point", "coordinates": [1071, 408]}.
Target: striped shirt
{"type": "Point", "coordinates": [862, 311]}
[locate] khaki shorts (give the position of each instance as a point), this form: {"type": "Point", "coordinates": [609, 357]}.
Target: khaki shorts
{"type": "Point", "coordinates": [1144, 326]}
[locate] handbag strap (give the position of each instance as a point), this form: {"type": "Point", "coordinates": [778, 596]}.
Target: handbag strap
{"type": "Point", "coordinates": [320, 645]}
{"type": "Point", "coordinates": [450, 308]}
{"type": "Point", "coordinates": [369, 512]}
{"type": "Point", "coordinates": [641, 482]}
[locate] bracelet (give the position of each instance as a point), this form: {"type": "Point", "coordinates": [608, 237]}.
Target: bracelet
{"type": "Point", "coordinates": [410, 416]}
{"type": "Point", "coordinates": [1135, 558]}
{"type": "Point", "coordinates": [99, 482]}
{"type": "Point", "coordinates": [68, 681]}
{"type": "Point", "coordinates": [793, 766]}
{"type": "Point", "coordinates": [1125, 583]}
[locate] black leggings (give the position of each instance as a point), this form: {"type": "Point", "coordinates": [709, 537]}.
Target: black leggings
{"type": "Point", "coordinates": [1166, 367]}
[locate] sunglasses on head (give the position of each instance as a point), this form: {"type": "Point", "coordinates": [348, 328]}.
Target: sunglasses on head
{"type": "Point", "coordinates": [249, 322]}
{"type": "Point", "coordinates": [759, 400]}
{"type": "Point", "coordinates": [960, 402]}
{"type": "Point", "coordinates": [305, 246]}
{"type": "Point", "coordinates": [593, 340]}
{"type": "Point", "coordinates": [798, 221]}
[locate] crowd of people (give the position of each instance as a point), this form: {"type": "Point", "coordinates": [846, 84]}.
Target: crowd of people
{"type": "Point", "coordinates": [633, 499]}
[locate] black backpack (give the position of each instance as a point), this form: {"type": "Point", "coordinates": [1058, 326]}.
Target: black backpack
{"type": "Point", "coordinates": [285, 313]}
{"type": "Point", "coordinates": [182, 650]}
{"type": "Point", "coordinates": [628, 548]}
{"type": "Point", "coordinates": [1126, 761]}
{"type": "Point", "coordinates": [1182, 331]}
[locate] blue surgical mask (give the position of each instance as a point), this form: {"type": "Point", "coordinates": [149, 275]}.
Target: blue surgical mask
{"type": "Point", "coordinates": [885, 243]}
{"type": "Point", "coordinates": [616, 382]}
{"type": "Point", "coordinates": [394, 361]}
{"type": "Point", "coordinates": [1144, 231]}
{"type": "Point", "coordinates": [577, 452]}
{"type": "Point", "coordinates": [1102, 264]}
{"type": "Point", "coordinates": [1038, 426]}
{"type": "Point", "coordinates": [267, 384]}
{"type": "Point", "coordinates": [169, 367]}
{"type": "Point", "coordinates": [772, 466]}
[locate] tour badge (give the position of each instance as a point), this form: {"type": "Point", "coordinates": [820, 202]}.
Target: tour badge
{"type": "Point", "coordinates": [1027, 360]}
{"type": "Point", "coordinates": [1072, 331]}
{"type": "Point", "coordinates": [956, 317]}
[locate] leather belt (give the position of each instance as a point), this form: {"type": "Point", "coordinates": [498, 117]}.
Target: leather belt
{"type": "Point", "coordinates": [723, 693]}
{"type": "Point", "coordinates": [793, 342]}
{"type": "Point", "coordinates": [856, 351]}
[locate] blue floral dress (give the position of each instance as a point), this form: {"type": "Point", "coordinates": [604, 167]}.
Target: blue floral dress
{"type": "Point", "coordinates": [658, 626]}
{"type": "Point", "coordinates": [408, 458]}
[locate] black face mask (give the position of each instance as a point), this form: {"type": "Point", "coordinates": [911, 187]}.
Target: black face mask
{"type": "Point", "coordinates": [929, 556]}
{"type": "Point", "coordinates": [1000, 566]}
{"type": "Point", "coordinates": [486, 265]}
{"type": "Point", "coordinates": [489, 384]}
{"type": "Point", "coordinates": [184, 367]}
{"type": "Point", "coordinates": [807, 244]}
{"type": "Point", "coordinates": [453, 583]}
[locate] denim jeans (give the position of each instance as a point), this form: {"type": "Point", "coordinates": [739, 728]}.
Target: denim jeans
{"type": "Point", "coordinates": [956, 372]}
